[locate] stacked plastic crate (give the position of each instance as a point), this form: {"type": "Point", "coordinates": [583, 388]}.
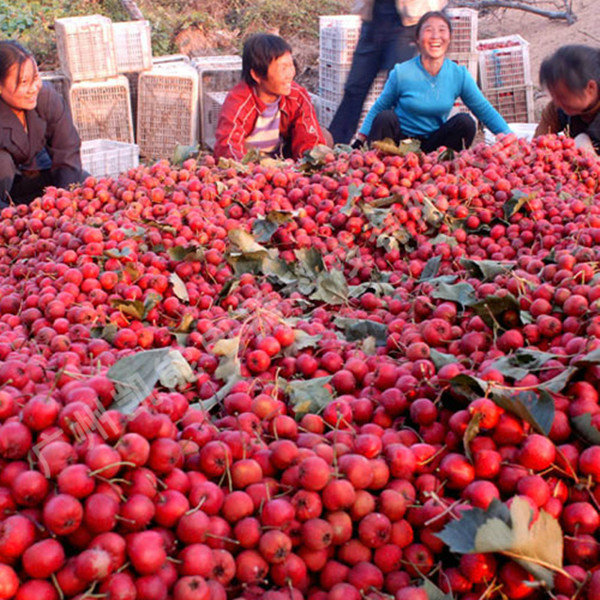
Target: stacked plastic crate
{"type": "Point", "coordinates": [463, 47]}
{"type": "Point", "coordinates": [505, 74]}
{"type": "Point", "coordinates": [338, 37]}
{"type": "Point", "coordinates": [93, 54]}
{"type": "Point", "coordinates": [216, 76]}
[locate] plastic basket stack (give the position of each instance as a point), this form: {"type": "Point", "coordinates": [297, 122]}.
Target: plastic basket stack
{"type": "Point", "coordinates": [463, 47]}
{"type": "Point", "coordinates": [95, 54]}
{"type": "Point", "coordinates": [505, 74]}
{"type": "Point", "coordinates": [216, 76]}
{"type": "Point", "coordinates": [338, 37]}
{"type": "Point", "coordinates": [167, 109]}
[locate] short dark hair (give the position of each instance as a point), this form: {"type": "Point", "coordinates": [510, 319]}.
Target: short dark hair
{"type": "Point", "coordinates": [12, 53]}
{"type": "Point", "coordinates": [574, 65]}
{"type": "Point", "coordinates": [260, 50]}
{"type": "Point", "coordinates": [428, 15]}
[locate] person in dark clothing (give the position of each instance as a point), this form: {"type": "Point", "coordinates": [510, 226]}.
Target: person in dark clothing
{"type": "Point", "coordinates": [386, 38]}
{"type": "Point", "coordinates": [39, 145]}
{"type": "Point", "coordinates": [572, 77]}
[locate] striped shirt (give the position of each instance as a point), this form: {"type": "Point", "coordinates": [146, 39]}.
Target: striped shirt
{"type": "Point", "coordinates": [265, 136]}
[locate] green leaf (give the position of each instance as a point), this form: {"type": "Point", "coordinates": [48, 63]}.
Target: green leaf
{"type": "Point", "coordinates": [492, 308]}
{"type": "Point", "coordinates": [354, 193]}
{"type": "Point", "coordinates": [108, 332]}
{"type": "Point", "coordinates": [471, 433]}
{"type": "Point", "coordinates": [431, 268]}
{"type": "Point", "coordinates": [116, 253]}
{"type": "Point", "coordinates": [179, 287]}
{"type": "Point", "coordinates": [380, 288]}
{"type": "Point", "coordinates": [439, 359]}
{"type": "Point", "coordinates": [584, 427]}
{"type": "Point", "coordinates": [135, 232]}
{"type": "Point", "coordinates": [557, 384]}
{"type": "Point", "coordinates": [442, 238]}
{"type": "Point", "coordinates": [135, 376]}
{"type": "Point", "coordinates": [535, 409]}
{"type": "Point", "coordinates": [376, 216]}
{"type": "Point", "coordinates": [331, 288]}
{"type": "Point", "coordinates": [486, 270]}
{"type": "Point", "coordinates": [264, 227]}
{"type": "Point", "coordinates": [434, 592]}
{"type": "Point", "coordinates": [133, 308]}
{"type": "Point", "coordinates": [359, 329]}
{"type": "Point", "coordinates": [308, 396]}
{"type": "Point", "coordinates": [246, 242]}
{"type": "Point", "coordinates": [515, 203]}
{"type": "Point", "coordinates": [591, 358]}
{"type": "Point", "coordinates": [229, 363]}
{"type": "Point", "coordinates": [190, 253]}
{"type": "Point", "coordinates": [431, 213]}
{"type": "Point", "coordinates": [522, 362]}
{"type": "Point", "coordinates": [304, 340]}
{"type": "Point", "coordinates": [510, 532]}
{"type": "Point", "coordinates": [310, 261]}
{"type": "Point", "coordinates": [182, 153]}
{"type": "Point", "coordinates": [468, 386]}
{"type": "Point", "coordinates": [388, 146]}
{"type": "Point", "coordinates": [461, 293]}
{"type": "Point", "coordinates": [447, 154]}
{"type": "Point", "coordinates": [314, 159]}
{"type": "Point", "coordinates": [152, 299]}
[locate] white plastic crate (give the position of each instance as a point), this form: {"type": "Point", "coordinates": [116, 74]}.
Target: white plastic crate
{"type": "Point", "coordinates": [215, 74]}
{"type": "Point", "coordinates": [167, 109]}
{"type": "Point", "coordinates": [327, 110]}
{"type": "Point", "coordinates": [521, 130]}
{"type": "Point", "coordinates": [170, 58]}
{"type": "Point", "coordinates": [470, 60]}
{"type": "Point", "coordinates": [59, 81]}
{"type": "Point", "coordinates": [102, 109]}
{"type": "Point", "coordinates": [85, 47]}
{"type": "Point", "coordinates": [107, 158]}
{"type": "Point", "coordinates": [514, 103]}
{"type": "Point", "coordinates": [338, 37]}
{"type": "Point", "coordinates": [333, 81]}
{"type": "Point", "coordinates": [464, 29]}
{"type": "Point", "coordinates": [213, 102]}
{"type": "Point", "coordinates": [504, 62]}
{"type": "Point", "coordinates": [133, 49]}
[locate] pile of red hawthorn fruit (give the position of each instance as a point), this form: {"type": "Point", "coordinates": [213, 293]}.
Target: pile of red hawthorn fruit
{"type": "Point", "coordinates": [251, 499]}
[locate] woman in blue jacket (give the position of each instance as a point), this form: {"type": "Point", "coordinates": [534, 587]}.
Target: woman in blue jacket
{"type": "Point", "coordinates": [420, 93]}
{"type": "Point", "coordinates": [39, 145]}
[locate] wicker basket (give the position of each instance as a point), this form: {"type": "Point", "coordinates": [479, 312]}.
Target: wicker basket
{"type": "Point", "coordinates": [504, 62]}
{"type": "Point", "coordinates": [107, 158]}
{"type": "Point", "coordinates": [85, 47]}
{"type": "Point", "coordinates": [102, 109]}
{"type": "Point", "coordinates": [167, 109]}
{"type": "Point", "coordinates": [133, 48]}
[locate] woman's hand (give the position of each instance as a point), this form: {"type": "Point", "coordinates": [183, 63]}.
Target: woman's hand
{"type": "Point", "coordinates": [584, 142]}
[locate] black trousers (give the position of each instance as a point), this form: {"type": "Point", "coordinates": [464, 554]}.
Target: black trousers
{"type": "Point", "coordinates": [456, 133]}
{"type": "Point", "coordinates": [382, 43]}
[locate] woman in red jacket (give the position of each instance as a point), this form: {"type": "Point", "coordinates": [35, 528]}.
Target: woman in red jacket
{"type": "Point", "coordinates": [39, 145]}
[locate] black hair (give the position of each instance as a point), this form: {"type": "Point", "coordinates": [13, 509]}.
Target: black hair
{"type": "Point", "coordinates": [260, 50]}
{"type": "Point", "coordinates": [574, 65]}
{"type": "Point", "coordinates": [428, 15]}
{"type": "Point", "coordinates": [12, 53]}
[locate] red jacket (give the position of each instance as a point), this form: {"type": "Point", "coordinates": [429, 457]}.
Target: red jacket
{"type": "Point", "coordinates": [299, 127]}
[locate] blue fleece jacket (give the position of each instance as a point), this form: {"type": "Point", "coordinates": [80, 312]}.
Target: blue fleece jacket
{"type": "Point", "coordinates": [423, 101]}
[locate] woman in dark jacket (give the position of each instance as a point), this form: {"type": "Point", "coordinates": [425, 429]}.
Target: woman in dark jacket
{"type": "Point", "coordinates": [39, 145]}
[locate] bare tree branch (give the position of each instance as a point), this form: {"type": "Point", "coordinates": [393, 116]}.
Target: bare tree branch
{"type": "Point", "coordinates": [132, 9]}
{"type": "Point", "coordinates": [566, 15]}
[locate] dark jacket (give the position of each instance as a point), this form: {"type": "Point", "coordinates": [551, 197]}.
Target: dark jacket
{"type": "Point", "coordinates": [299, 127]}
{"type": "Point", "coordinates": [50, 127]}
{"type": "Point", "coordinates": [554, 120]}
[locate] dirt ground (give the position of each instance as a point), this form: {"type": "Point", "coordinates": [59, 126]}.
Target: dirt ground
{"type": "Point", "coordinates": [545, 35]}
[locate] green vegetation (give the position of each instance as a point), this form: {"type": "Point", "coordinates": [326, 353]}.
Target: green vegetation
{"type": "Point", "coordinates": [221, 29]}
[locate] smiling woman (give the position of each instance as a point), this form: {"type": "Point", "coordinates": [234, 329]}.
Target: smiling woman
{"type": "Point", "coordinates": [420, 93]}
{"type": "Point", "coordinates": [39, 145]}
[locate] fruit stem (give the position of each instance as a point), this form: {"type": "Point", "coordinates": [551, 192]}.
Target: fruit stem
{"type": "Point", "coordinates": [222, 537]}
{"type": "Point", "coordinates": [197, 507]}
{"type": "Point", "coordinates": [541, 563]}
{"type": "Point", "coordinates": [57, 586]}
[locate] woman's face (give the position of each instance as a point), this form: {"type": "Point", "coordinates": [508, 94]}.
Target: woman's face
{"type": "Point", "coordinates": [280, 75]}
{"type": "Point", "coordinates": [574, 102]}
{"type": "Point", "coordinates": [20, 90]}
{"type": "Point", "coordinates": [434, 38]}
